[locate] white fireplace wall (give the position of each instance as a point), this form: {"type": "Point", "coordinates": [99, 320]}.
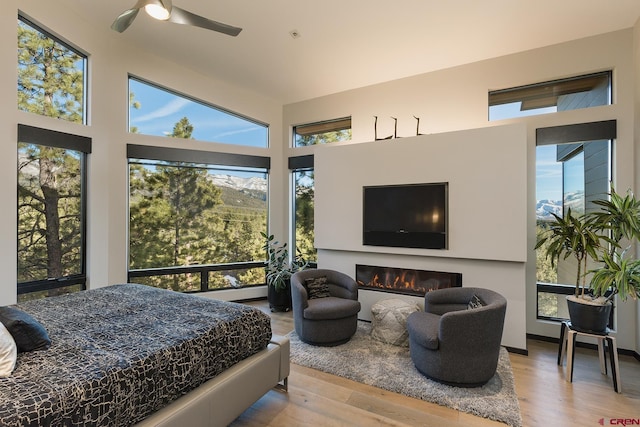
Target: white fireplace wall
{"type": "Point", "coordinates": [486, 169]}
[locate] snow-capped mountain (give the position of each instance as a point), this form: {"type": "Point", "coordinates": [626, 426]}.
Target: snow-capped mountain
{"type": "Point", "coordinates": [544, 209]}
{"type": "Point", "coordinates": [239, 183]}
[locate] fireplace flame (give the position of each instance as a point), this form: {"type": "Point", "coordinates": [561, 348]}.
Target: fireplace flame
{"type": "Point", "coordinates": [406, 281]}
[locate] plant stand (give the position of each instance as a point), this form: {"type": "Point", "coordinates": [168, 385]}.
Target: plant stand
{"type": "Point", "coordinates": [567, 347]}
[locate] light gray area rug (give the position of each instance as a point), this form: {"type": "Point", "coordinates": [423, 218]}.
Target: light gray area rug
{"type": "Point", "coordinates": [368, 361]}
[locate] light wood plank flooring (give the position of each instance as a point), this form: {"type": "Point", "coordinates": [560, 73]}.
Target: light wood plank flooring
{"type": "Point", "coordinates": [546, 399]}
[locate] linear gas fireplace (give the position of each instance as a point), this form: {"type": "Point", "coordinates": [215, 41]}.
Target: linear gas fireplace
{"type": "Point", "coordinates": [403, 280]}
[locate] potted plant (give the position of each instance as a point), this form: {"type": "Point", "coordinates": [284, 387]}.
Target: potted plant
{"type": "Point", "coordinates": [279, 269]}
{"type": "Point", "coordinates": [598, 236]}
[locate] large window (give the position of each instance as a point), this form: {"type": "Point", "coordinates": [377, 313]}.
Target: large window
{"type": "Point", "coordinates": [195, 219]}
{"type": "Point", "coordinates": [51, 212]}
{"type": "Point", "coordinates": [573, 167]}
{"type": "Point", "coordinates": [51, 75]}
{"type": "Point", "coordinates": [322, 132]}
{"type": "Point", "coordinates": [302, 174]}
{"type": "Point", "coordinates": [548, 97]}
{"type": "Point", "coordinates": [303, 206]}
{"type": "Point", "coordinates": [155, 111]}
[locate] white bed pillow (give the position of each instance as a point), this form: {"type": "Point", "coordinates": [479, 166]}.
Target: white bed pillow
{"type": "Point", "coordinates": [8, 352]}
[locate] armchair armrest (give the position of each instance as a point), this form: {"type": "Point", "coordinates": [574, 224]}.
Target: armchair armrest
{"type": "Point", "coordinates": [463, 328]}
{"type": "Point", "coordinates": [447, 300]}
{"type": "Point", "coordinates": [299, 296]}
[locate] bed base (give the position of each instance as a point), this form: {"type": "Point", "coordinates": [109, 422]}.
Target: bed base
{"type": "Point", "coordinates": [222, 399]}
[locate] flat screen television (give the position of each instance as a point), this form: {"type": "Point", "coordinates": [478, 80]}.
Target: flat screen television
{"type": "Point", "coordinates": [406, 216]}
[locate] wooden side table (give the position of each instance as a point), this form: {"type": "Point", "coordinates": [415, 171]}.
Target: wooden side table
{"type": "Point", "coordinates": [567, 347]}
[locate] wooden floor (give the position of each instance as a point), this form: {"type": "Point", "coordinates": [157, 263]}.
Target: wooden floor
{"type": "Point", "coordinates": [546, 399]}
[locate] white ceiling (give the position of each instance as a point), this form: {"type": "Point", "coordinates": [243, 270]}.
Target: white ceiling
{"type": "Point", "coordinates": [345, 44]}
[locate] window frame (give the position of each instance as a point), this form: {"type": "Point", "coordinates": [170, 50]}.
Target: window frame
{"type": "Point", "coordinates": [80, 52]}
{"type": "Point", "coordinates": [211, 158]}
{"type": "Point", "coordinates": [568, 134]}
{"type": "Point", "coordinates": [304, 163]}
{"type": "Point", "coordinates": [46, 137]}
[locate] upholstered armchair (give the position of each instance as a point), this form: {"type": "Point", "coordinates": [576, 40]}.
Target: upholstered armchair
{"type": "Point", "coordinates": [456, 339]}
{"type": "Point", "coordinates": [325, 306]}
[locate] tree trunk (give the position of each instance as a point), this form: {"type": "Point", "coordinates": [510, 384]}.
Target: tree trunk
{"type": "Point", "coordinates": [51, 195]}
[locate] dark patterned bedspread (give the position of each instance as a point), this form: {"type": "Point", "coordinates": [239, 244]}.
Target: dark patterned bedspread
{"type": "Point", "coordinates": [122, 352]}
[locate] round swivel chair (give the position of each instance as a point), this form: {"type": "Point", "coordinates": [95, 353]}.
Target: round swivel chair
{"type": "Point", "coordinates": [331, 319]}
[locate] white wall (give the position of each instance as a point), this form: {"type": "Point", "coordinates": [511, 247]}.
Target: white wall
{"type": "Point", "coordinates": [456, 99]}
{"type": "Point", "coordinates": [487, 215]}
{"type": "Point", "coordinates": [110, 62]}
{"type": "Point", "coordinates": [487, 237]}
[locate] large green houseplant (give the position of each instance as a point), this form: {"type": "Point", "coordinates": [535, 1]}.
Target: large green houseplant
{"type": "Point", "coordinates": [598, 235]}
{"type": "Point", "coordinates": [279, 268]}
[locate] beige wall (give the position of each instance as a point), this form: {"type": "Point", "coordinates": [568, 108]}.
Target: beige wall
{"type": "Point", "coordinates": [456, 99]}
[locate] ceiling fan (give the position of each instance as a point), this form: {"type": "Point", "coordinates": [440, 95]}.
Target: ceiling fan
{"type": "Point", "coordinates": [163, 10]}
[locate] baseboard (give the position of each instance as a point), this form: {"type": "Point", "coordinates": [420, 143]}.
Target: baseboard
{"type": "Point", "coordinates": [554, 340]}
{"type": "Point", "coordinates": [515, 350]}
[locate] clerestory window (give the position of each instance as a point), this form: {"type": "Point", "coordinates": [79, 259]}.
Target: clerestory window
{"type": "Point", "coordinates": [51, 75]}
{"type": "Point", "coordinates": [155, 111]}
{"type": "Point", "coordinates": [573, 93]}
{"type": "Point", "coordinates": [322, 132]}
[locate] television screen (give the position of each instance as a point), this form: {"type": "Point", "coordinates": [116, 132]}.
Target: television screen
{"type": "Point", "coordinates": [411, 216]}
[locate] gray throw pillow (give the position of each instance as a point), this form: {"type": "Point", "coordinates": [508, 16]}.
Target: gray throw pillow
{"type": "Point", "coordinates": [28, 334]}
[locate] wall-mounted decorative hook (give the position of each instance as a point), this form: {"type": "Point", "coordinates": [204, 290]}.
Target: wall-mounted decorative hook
{"type": "Point", "coordinates": [395, 127]}
{"type": "Point", "coordinates": [375, 130]}
{"type": "Point", "coordinates": [417, 125]}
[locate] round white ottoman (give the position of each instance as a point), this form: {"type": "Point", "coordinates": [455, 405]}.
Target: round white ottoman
{"type": "Point", "coordinates": [389, 323]}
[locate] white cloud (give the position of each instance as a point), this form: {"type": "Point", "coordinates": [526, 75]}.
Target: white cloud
{"type": "Point", "coordinates": [168, 109]}
{"type": "Point", "coordinates": [237, 132]}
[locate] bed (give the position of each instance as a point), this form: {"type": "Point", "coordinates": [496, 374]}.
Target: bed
{"type": "Point", "coordinates": [135, 355]}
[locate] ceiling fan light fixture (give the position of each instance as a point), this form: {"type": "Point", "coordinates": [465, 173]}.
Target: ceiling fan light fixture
{"type": "Point", "coordinates": [163, 10]}
{"type": "Point", "coordinates": [160, 10]}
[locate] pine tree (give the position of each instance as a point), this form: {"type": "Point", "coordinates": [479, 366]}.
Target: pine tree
{"type": "Point", "coordinates": [167, 208]}
{"type": "Point", "coordinates": [50, 79]}
{"type": "Point", "coordinates": [50, 83]}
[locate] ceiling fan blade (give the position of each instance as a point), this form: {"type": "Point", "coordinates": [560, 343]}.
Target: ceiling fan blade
{"type": "Point", "coordinates": [125, 19]}
{"type": "Point", "coordinates": [181, 16]}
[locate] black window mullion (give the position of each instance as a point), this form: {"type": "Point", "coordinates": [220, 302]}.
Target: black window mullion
{"type": "Point", "coordinates": [301, 162]}
{"type": "Point", "coordinates": [169, 154]}
{"type": "Point", "coordinates": [52, 138]}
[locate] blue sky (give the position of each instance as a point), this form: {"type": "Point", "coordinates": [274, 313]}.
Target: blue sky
{"type": "Point", "coordinates": [548, 170]}
{"type": "Point", "coordinates": [548, 174]}
{"type": "Point", "coordinates": [160, 110]}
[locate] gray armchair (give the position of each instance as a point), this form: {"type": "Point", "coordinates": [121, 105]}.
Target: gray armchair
{"type": "Point", "coordinates": [330, 320]}
{"type": "Point", "coordinates": [454, 344]}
